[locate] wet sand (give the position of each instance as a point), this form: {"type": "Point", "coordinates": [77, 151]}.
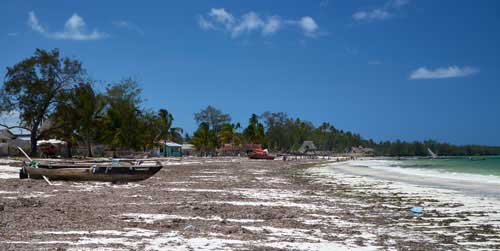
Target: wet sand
{"type": "Point", "coordinates": [473, 188]}
{"type": "Point", "coordinates": [232, 204]}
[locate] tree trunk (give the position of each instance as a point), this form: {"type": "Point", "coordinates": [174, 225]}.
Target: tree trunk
{"type": "Point", "coordinates": [34, 139]}
{"type": "Point", "coordinates": [89, 148]}
{"type": "Point", "coordinates": [69, 147]}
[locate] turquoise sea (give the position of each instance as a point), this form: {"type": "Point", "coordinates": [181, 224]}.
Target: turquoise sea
{"type": "Point", "coordinates": [477, 175]}
{"type": "Point", "coordinates": [479, 165]}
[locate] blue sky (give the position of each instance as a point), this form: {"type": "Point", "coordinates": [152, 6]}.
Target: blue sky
{"type": "Point", "coordinates": [385, 69]}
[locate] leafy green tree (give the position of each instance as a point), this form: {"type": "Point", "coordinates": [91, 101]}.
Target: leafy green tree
{"type": "Point", "coordinates": [158, 127]}
{"type": "Point", "coordinates": [165, 123]}
{"type": "Point", "coordinates": [167, 131]}
{"type": "Point", "coordinates": [86, 107]}
{"type": "Point", "coordinates": [89, 106]}
{"type": "Point", "coordinates": [175, 134]}
{"type": "Point", "coordinates": [150, 129]}
{"type": "Point", "coordinates": [63, 124]}
{"type": "Point", "coordinates": [204, 139]}
{"type": "Point", "coordinates": [276, 135]}
{"type": "Point", "coordinates": [254, 133]}
{"type": "Point", "coordinates": [122, 128]}
{"type": "Point", "coordinates": [213, 117]}
{"type": "Point", "coordinates": [76, 117]}
{"type": "Point", "coordinates": [35, 86]}
{"type": "Point", "coordinates": [227, 134]}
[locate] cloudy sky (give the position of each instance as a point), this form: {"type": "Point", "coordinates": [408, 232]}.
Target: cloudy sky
{"type": "Point", "coordinates": [386, 69]}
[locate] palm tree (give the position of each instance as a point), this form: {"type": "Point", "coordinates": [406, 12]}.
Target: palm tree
{"type": "Point", "coordinates": [165, 123]}
{"type": "Point", "coordinates": [175, 134]}
{"type": "Point", "coordinates": [89, 106]}
{"type": "Point", "coordinates": [204, 139]}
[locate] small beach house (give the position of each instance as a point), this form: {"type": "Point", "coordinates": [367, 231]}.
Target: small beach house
{"type": "Point", "coordinates": [187, 149]}
{"type": "Point", "coordinates": [171, 149]}
{"type": "Point", "coordinates": [10, 141]}
{"type": "Point", "coordinates": [229, 150]}
{"type": "Point", "coordinates": [362, 151]}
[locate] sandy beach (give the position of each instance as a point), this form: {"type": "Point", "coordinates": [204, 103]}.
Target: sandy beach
{"type": "Point", "coordinates": [239, 204]}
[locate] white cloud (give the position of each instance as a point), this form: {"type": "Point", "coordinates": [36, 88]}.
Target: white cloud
{"type": "Point", "coordinates": [222, 16]}
{"type": "Point", "coordinates": [204, 24]}
{"type": "Point", "coordinates": [399, 3]}
{"type": "Point", "coordinates": [382, 13]}
{"type": "Point", "coordinates": [376, 14]}
{"type": "Point", "coordinates": [272, 25]}
{"type": "Point", "coordinates": [34, 24]}
{"type": "Point", "coordinates": [443, 72]}
{"type": "Point", "coordinates": [249, 22]}
{"type": "Point", "coordinates": [129, 26]}
{"type": "Point", "coordinates": [309, 26]}
{"type": "Point", "coordinates": [252, 22]}
{"type": "Point", "coordinates": [374, 62]}
{"type": "Point", "coordinates": [74, 29]}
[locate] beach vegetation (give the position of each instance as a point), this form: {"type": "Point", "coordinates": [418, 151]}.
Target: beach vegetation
{"type": "Point", "coordinates": [55, 98]}
{"type": "Point", "coordinates": [205, 139]}
{"type": "Point", "coordinates": [213, 117]}
{"type": "Point", "coordinates": [76, 117]}
{"type": "Point", "coordinates": [35, 87]}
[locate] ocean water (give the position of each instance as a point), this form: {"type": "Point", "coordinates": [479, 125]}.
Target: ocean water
{"type": "Point", "coordinates": [479, 165]}
{"type": "Point", "coordinates": [479, 170]}
{"type": "Point", "coordinates": [472, 177]}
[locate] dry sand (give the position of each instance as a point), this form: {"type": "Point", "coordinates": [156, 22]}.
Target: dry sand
{"type": "Point", "coordinates": [226, 204]}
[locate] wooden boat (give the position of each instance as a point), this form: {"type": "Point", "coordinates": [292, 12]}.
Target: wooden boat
{"type": "Point", "coordinates": [106, 172]}
{"type": "Point", "coordinates": [260, 156]}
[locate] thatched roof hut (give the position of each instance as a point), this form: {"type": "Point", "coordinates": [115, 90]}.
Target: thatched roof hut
{"type": "Point", "coordinates": [307, 147]}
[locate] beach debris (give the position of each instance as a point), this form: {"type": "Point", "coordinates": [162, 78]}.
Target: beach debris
{"type": "Point", "coordinates": [417, 210]}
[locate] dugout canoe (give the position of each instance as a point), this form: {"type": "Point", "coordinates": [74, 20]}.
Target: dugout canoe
{"type": "Point", "coordinates": [105, 172]}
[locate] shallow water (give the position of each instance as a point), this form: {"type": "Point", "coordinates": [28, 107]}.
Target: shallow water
{"type": "Point", "coordinates": [483, 165]}
{"type": "Point", "coordinates": [431, 173]}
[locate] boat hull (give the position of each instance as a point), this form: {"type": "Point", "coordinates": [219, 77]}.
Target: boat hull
{"type": "Point", "coordinates": [261, 156]}
{"type": "Point", "coordinates": [95, 173]}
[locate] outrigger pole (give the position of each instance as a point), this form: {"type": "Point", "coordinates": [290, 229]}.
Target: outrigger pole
{"type": "Point", "coordinates": [28, 157]}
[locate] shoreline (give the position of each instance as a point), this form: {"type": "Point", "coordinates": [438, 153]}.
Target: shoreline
{"type": "Point", "coordinates": [471, 184]}
{"type": "Point", "coordinates": [236, 204]}
{"type": "Point", "coordinates": [471, 220]}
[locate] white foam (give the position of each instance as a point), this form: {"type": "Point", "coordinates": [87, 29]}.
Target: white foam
{"type": "Point", "coordinates": [395, 166]}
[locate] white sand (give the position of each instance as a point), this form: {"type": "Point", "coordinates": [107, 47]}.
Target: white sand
{"type": "Point", "coordinates": [475, 209]}
{"type": "Point", "coordinates": [9, 172]}
{"type": "Point", "coordinates": [151, 218]}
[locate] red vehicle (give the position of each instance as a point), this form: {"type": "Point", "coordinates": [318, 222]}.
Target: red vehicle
{"type": "Point", "coordinates": [260, 154]}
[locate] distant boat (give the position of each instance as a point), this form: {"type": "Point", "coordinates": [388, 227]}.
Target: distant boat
{"type": "Point", "coordinates": [476, 159]}
{"type": "Point", "coordinates": [433, 155]}
{"type": "Point", "coordinates": [260, 154]}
